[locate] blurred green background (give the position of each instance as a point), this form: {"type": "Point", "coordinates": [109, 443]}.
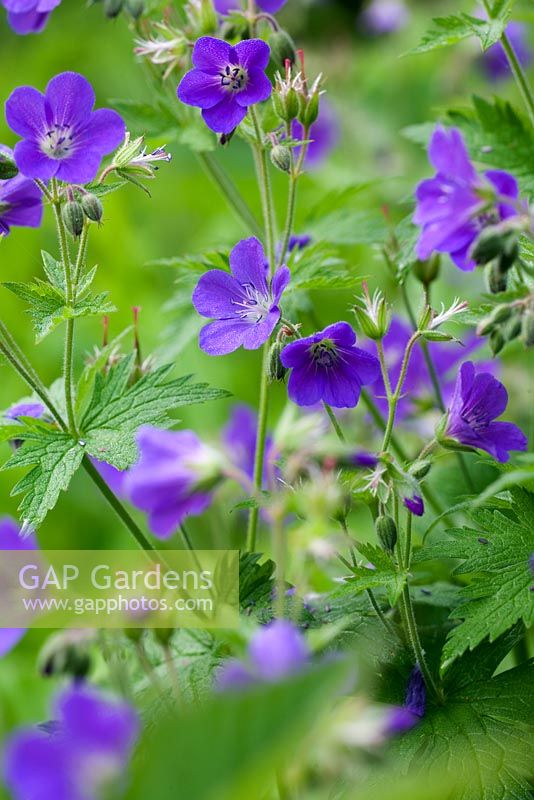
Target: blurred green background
{"type": "Point", "coordinates": [375, 92]}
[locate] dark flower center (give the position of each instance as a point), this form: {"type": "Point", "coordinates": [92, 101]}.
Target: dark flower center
{"type": "Point", "coordinates": [324, 353]}
{"type": "Point", "coordinates": [57, 141]}
{"type": "Point", "coordinates": [233, 79]}
{"type": "Point", "coordinates": [253, 305]}
{"type": "Point", "coordinates": [477, 420]}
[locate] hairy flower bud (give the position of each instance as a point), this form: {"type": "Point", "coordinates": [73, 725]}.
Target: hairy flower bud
{"type": "Point", "coordinates": [528, 328]}
{"type": "Point", "coordinates": [92, 207]}
{"type": "Point", "coordinates": [8, 168]}
{"type": "Point", "coordinates": [66, 653]}
{"type": "Point", "coordinates": [496, 341]}
{"type": "Point", "coordinates": [73, 217]}
{"type": "Point", "coordinates": [500, 314]}
{"type": "Point", "coordinates": [496, 278]}
{"type": "Point", "coordinates": [112, 8]}
{"type": "Point", "coordinates": [386, 531]}
{"type": "Point", "coordinates": [281, 157]}
{"type": "Point", "coordinates": [372, 314]}
{"type": "Point", "coordinates": [282, 48]}
{"type": "Point", "coordinates": [135, 7]}
{"type": "Point", "coordinates": [427, 271]}
{"type": "Point", "coordinates": [512, 328]}
{"type": "Point", "coordinates": [420, 469]}
{"type": "Point", "coordinates": [493, 242]}
{"type": "Point", "coordinates": [276, 370]}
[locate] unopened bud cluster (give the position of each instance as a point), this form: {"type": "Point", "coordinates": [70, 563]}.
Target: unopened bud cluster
{"type": "Point", "coordinates": [78, 207]}
{"type": "Point", "coordinates": [509, 321]}
{"type": "Point", "coordinates": [293, 97]}
{"type": "Point", "coordinates": [373, 314]}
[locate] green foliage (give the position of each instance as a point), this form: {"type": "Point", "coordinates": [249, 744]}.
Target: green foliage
{"type": "Point", "coordinates": [383, 573]}
{"type": "Point", "coordinates": [48, 306]}
{"type": "Point", "coordinates": [118, 408]}
{"type": "Point", "coordinates": [249, 735]}
{"type": "Point", "coordinates": [497, 556]}
{"type": "Point", "coordinates": [482, 737]}
{"type": "Point", "coordinates": [53, 458]}
{"type": "Point", "coordinates": [450, 30]}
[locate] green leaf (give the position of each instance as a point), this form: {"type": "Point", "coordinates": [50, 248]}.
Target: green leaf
{"type": "Point", "coordinates": [48, 306]}
{"type": "Point", "coordinates": [256, 581]}
{"type": "Point", "coordinates": [248, 735]}
{"type": "Point", "coordinates": [497, 556]}
{"type": "Point", "coordinates": [319, 267]}
{"type": "Point", "coordinates": [383, 573]}
{"type": "Point", "coordinates": [53, 271]}
{"type": "Point", "coordinates": [53, 458]}
{"type": "Point", "coordinates": [118, 409]}
{"type": "Point", "coordinates": [450, 30]}
{"type": "Point", "coordinates": [482, 736]}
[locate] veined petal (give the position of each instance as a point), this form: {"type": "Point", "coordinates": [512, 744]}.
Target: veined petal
{"type": "Point", "coordinates": [258, 88]}
{"type": "Point", "coordinates": [247, 262]}
{"type": "Point", "coordinates": [225, 116]}
{"type": "Point", "coordinates": [32, 162]}
{"type": "Point", "coordinates": [200, 89]}
{"type": "Point", "coordinates": [211, 54]}
{"type": "Point", "coordinates": [253, 53]}
{"type": "Point", "coordinates": [69, 99]}
{"type": "Point", "coordinates": [25, 111]}
{"type": "Point", "coordinates": [222, 336]}
{"type": "Point", "coordinates": [216, 295]}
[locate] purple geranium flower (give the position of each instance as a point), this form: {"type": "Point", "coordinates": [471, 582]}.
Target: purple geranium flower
{"type": "Point", "coordinates": [226, 80]}
{"type": "Point", "coordinates": [35, 410]}
{"type": "Point", "coordinates": [243, 304]}
{"type": "Point", "coordinates": [495, 62]}
{"type": "Point", "coordinates": [455, 205]}
{"type": "Point", "coordinates": [87, 746]}
{"type": "Point", "coordinates": [415, 504]}
{"type": "Point", "coordinates": [327, 366]}
{"type": "Point", "coordinates": [62, 136]}
{"type": "Point", "coordinates": [404, 718]}
{"type": "Point", "coordinates": [21, 202]}
{"type": "Point", "coordinates": [271, 6]}
{"type": "Point", "coordinates": [28, 16]}
{"type": "Point", "coordinates": [478, 400]}
{"type": "Point", "coordinates": [276, 651]}
{"type": "Point", "coordinates": [11, 539]}
{"type": "Point", "coordinates": [385, 16]}
{"type": "Point", "coordinates": [173, 477]}
{"type": "Point", "coordinates": [324, 135]}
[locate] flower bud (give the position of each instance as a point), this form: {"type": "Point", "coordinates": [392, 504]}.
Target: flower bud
{"type": "Point", "coordinates": [276, 370]}
{"type": "Point", "coordinates": [496, 341]}
{"type": "Point", "coordinates": [281, 157]}
{"type": "Point", "coordinates": [112, 8]}
{"type": "Point", "coordinates": [491, 243]}
{"type": "Point", "coordinates": [427, 271]}
{"type": "Point", "coordinates": [528, 329]}
{"type": "Point", "coordinates": [496, 278]}
{"type": "Point", "coordinates": [282, 48]}
{"type": "Point", "coordinates": [8, 168]}
{"type": "Point", "coordinates": [386, 531]}
{"type": "Point", "coordinates": [512, 328]}
{"type": "Point", "coordinates": [308, 109]}
{"type": "Point", "coordinates": [66, 653]}
{"type": "Point", "coordinates": [92, 207]}
{"type": "Point", "coordinates": [420, 469]}
{"type": "Point", "coordinates": [73, 217]}
{"type": "Point", "coordinates": [500, 314]}
{"type": "Point", "coordinates": [372, 314]}
{"type": "Point", "coordinates": [135, 8]}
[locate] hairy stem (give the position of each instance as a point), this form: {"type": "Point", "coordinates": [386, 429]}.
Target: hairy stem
{"type": "Point", "coordinates": [117, 506]}
{"type": "Point", "coordinates": [259, 456]}
{"type": "Point", "coordinates": [335, 424]}
{"type": "Point", "coordinates": [264, 180]}
{"type": "Point", "coordinates": [294, 175]}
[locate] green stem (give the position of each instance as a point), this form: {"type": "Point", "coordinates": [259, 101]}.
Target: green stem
{"type": "Point", "coordinates": [335, 424]}
{"type": "Point", "coordinates": [517, 69]}
{"type": "Point", "coordinates": [394, 398]}
{"type": "Point", "coordinates": [31, 380]}
{"type": "Point", "coordinates": [232, 194]}
{"type": "Point", "coordinates": [264, 179]}
{"type": "Point", "coordinates": [260, 448]}
{"type": "Point", "coordinates": [117, 506]}
{"type": "Point", "coordinates": [294, 175]}
{"type": "Point", "coordinates": [381, 616]}
{"type": "Point", "coordinates": [436, 386]}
